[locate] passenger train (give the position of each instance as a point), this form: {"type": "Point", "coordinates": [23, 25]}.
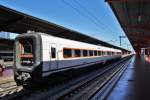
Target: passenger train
{"type": "Point", "coordinates": [38, 55]}
{"type": "Point", "coordinates": [6, 55]}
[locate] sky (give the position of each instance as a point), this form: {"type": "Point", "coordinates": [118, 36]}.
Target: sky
{"type": "Point", "coordinates": [91, 17]}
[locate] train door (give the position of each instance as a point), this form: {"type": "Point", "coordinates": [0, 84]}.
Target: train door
{"type": "Point", "coordinates": [53, 57]}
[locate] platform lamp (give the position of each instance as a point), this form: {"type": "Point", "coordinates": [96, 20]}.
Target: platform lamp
{"type": "Point", "coordinates": [120, 37]}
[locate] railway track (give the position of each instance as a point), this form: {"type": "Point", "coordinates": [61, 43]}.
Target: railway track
{"type": "Point", "coordinates": [87, 89]}
{"type": "Point", "coordinates": [105, 91]}
{"type": "Point", "coordinates": [83, 87]}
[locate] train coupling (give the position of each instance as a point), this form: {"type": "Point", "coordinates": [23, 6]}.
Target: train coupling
{"type": "Point", "coordinates": [24, 76]}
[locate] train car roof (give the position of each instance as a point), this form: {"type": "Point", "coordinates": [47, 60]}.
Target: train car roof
{"type": "Point", "coordinates": [75, 43]}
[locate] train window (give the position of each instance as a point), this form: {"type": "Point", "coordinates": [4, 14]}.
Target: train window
{"type": "Point", "coordinates": [108, 53]}
{"type": "Point", "coordinates": [99, 53]}
{"type": "Point", "coordinates": [85, 53]}
{"type": "Point", "coordinates": [90, 52]}
{"type": "Point", "coordinates": [77, 53]}
{"type": "Point", "coordinates": [118, 53]}
{"type": "Point", "coordinates": [67, 53]}
{"type": "Point", "coordinates": [95, 53]}
{"type": "Point", "coordinates": [26, 47]}
{"type": "Point", "coordinates": [26, 52]}
{"type": "Point", "coordinates": [103, 52]}
{"type": "Point", "coordinates": [53, 52]}
{"type": "Point", "coordinates": [113, 53]}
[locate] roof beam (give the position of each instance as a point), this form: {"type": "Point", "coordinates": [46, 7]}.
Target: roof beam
{"type": "Point", "coordinates": [9, 22]}
{"type": "Point", "coordinates": [138, 26]}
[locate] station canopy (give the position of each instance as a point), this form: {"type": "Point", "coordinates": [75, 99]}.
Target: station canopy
{"type": "Point", "coordinates": [18, 22]}
{"type": "Point", "coordinates": [134, 18]}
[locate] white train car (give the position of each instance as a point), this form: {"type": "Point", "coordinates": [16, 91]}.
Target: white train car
{"type": "Point", "coordinates": [38, 55]}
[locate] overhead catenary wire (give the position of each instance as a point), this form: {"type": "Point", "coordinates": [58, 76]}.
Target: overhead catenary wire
{"type": "Point", "coordinates": [82, 14]}
{"type": "Point", "coordinates": [94, 17]}
{"type": "Point", "coordinates": [90, 16]}
{"type": "Point", "coordinates": [96, 21]}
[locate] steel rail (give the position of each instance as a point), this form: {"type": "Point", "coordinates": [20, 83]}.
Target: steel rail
{"type": "Point", "coordinates": [69, 93]}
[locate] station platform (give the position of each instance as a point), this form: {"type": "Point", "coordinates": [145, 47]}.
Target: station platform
{"type": "Point", "coordinates": [7, 76]}
{"type": "Point", "coordinates": [134, 84]}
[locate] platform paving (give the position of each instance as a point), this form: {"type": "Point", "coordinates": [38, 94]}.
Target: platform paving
{"type": "Point", "coordinates": [134, 83]}
{"type": "Point", "coordinates": [7, 75]}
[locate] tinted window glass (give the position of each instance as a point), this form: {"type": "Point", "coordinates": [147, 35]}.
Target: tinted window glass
{"type": "Point", "coordinates": [95, 53]}
{"type": "Point", "coordinates": [26, 54]}
{"type": "Point", "coordinates": [67, 53]}
{"type": "Point", "coordinates": [91, 52]}
{"type": "Point", "coordinates": [53, 52]}
{"type": "Point", "coordinates": [99, 53]}
{"type": "Point", "coordinates": [85, 53]}
{"type": "Point", "coordinates": [103, 53]}
{"type": "Point", "coordinates": [77, 53]}
{"type": "Point", "coordinates": [108, 53]}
